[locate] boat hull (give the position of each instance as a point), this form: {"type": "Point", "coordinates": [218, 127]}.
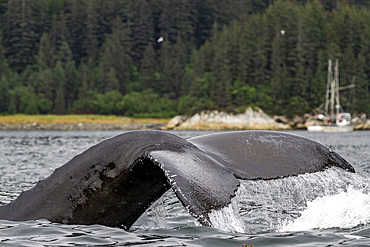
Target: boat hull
{"type": "Point", "coordinates": [330, 128]}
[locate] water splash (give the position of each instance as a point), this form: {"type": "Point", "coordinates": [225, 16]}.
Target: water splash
{"type": "Point", "coordinates": [272, 205]}
{"type": "Point", "coordinates": [155, 216]}
{"type": "Point", "coordinates": [294, 203]}
{"type": "Point", "coordinates": [228, 218]}
{"type": "Point", "coordinates": [166, 213]}
{"type": "Point", "coordinates": [347, 209]}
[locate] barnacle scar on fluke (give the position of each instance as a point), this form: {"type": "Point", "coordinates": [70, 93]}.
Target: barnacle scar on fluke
{"type": "Point", "coordinates": [115, 181]}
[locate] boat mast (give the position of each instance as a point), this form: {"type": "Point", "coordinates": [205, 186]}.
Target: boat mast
{"type": "Point", "coordinates": [328, 83]}
{"type": "Point", "coordinates": [332, 88]}
{"type": "Point", "coordinates": [336, 79]}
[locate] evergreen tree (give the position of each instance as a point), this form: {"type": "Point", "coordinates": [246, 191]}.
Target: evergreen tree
{"type": "Point", "coordinates": [59, 78]}
{"type": "Point", "coordinates": [20, 33]}
{"type": "Point", "coordinates": [315, 48]}
{"type": "Point", "coordinates": [149, 68]}
{"type": "Point", "coordinates": [90, 42]}
{"type": "Point", "coordinates": [59, 32]}
{"type": "Point", "coordinates": [86, 82]}
{"type": "Point", "coordinates": [76, 19]}
{"type": "Point", "coordinates": [259, 70]}
{"type": "Point", "coordinates": [172, 61]}
{"type": "Point", "coordinates": [86, 91]}
{"type": "Point", "coordinates": [46, 84]}
{"type": "Point", "coordinates": [314, 24]}
{"type": "Point", "coordinates": [203, 22]}
{"type": "Point", "coordinates": [114, 61]}
{"type": "Point", "coordinates": [31, 106]}
{"type": "Point", "coordinates": [5, 71]}
{"type": "Point", "coordinates": [106, 11]}
{"type": "Point", "coordinates": [4, 95]}
{"type": "Point", "coordinates": [3, 9]}
{"type": "Point", "coordinates": [46, 56]}
{"type": "Point", "coordinates": [140, 22]}
{"type": "Point", "coordinates": [220, 87]}
{"type": "Point", "coordinates": [176, 20]}
{"type": "Point", "coordinates": [71, 75]}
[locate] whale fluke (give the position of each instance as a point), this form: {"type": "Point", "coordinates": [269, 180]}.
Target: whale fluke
{"type": "Point", "coordinates": [115, 181]}
{"type": "Point", "coordinates": [268, 154]}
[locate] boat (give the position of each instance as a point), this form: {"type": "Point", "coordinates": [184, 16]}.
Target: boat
{"type": "Point", "coordinates": [335, 120]}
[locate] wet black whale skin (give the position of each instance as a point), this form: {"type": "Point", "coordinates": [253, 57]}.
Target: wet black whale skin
{"type": "Point", "coordinates": [115, 181]}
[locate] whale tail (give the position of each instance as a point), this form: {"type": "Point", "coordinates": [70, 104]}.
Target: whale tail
{"type": "Point", "coordinates": [114, 182]}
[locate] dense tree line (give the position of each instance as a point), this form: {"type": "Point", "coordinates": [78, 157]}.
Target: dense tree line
{"type": "Point", "coordinates": [159, 58]}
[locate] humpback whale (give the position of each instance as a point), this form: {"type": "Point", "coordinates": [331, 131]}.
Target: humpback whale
{"type": "Point", "coordinates": [115, 181]}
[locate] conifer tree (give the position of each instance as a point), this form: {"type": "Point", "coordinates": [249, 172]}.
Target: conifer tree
{"type": "Point", "coordinates": [76, 19]}
{"type": "Point", "coordinates": [148, 68]}
{"type": "Point", "coordinates": [113, 56]}
{"type": "Point", "coordinates": [172, 60]}
{"type": "Point", "coordinates": [259, 71]}
{"type": "Point", "coordinates": [90, 42]}
{"type": "Point", "coordinates": [59, 78]}
{"type": "Point", "coordinates": [220, 87]}
{"type": "Point", "coordinates": [20, 33]}
{"type": "Point", "coordinates": [59, 32]}
{"type": "Point", "coordinates": [5, 71]}
{"type": "Point", "coordinates": [31, 107]}
{"type": "Point", "coordinates": [139, 23]}
{"type": "Point", "coordinates": [106, 11]}
{"type": "Point", "coordinates": [4, 95]}
{"type": "Point", "coordinates": [46, 57]}
{"type": "Point", "coordinates": [176, 20]}
{"type": "Point", "coordinates": [203, 22]}
{"type": "Point", "coordinates": [71, 75]}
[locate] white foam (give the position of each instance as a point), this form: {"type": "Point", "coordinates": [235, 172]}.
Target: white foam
{"type": "Point", "coordinates": [347, 209]}
{"type": "Point", "coordinates": [275, 205]}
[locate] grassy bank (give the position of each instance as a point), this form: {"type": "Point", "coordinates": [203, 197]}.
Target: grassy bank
{"type": "Point", "coordinates": [74, 119]}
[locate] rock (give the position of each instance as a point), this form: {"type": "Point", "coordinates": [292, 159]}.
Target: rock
{"type": "Point", "coordinates": [215, 120]}
{"type": "Point", "coordinates": [176, 121]}
{"type": "Point", "coordinates": [281, 119]}
{"type": "Point", "coordinates": [364, 125]}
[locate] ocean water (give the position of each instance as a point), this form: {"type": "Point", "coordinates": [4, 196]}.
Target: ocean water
{"type": "Point", "coordinates": [329, 208]}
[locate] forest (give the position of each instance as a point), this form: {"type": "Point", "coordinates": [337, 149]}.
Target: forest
{"type": "Point", "coordinates": [159, 58]}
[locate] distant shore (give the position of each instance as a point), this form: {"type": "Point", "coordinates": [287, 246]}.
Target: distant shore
{"type": "Point", "coordinates": [77, 122]}
{"type": "Point", "coordinates": [79, 126]}
{"type": "Point", "coordinates": [203, 121]}
{"type": "Point", "coordinates": [251, 119]}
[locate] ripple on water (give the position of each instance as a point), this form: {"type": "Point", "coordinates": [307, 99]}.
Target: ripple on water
{"type": "Point", "coordinates": [41, 233]}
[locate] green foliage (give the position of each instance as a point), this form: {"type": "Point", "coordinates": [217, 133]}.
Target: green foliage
{"type": "Point", "coordinates": [84, 103]}
{"type": "Point", "coordinates": [109, 103]}
{"type": "Point", "coordinates": [189, 105]}
{"type": "Point", "coordinates": [44, 106]}
{"type": "Point", "coordinates": [162, 58]}
{"type": "Point", "coordinates": [23, 100]}
{"type": "Point", "coordinates": [4, 95]}
{"type": "Point", "coordinates": [296, 106]}
{"type": "Point", "coordinates": [148, 104]}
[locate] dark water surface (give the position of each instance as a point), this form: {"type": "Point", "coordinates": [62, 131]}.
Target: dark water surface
{"type": "Point", "coordinates": [330, 208]}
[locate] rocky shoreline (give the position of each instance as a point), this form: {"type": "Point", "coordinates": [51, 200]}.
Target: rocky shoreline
{"type": "Point", "coordinates": [254, 119]}
{"type": "Point", "coordinates": [251, 119]}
